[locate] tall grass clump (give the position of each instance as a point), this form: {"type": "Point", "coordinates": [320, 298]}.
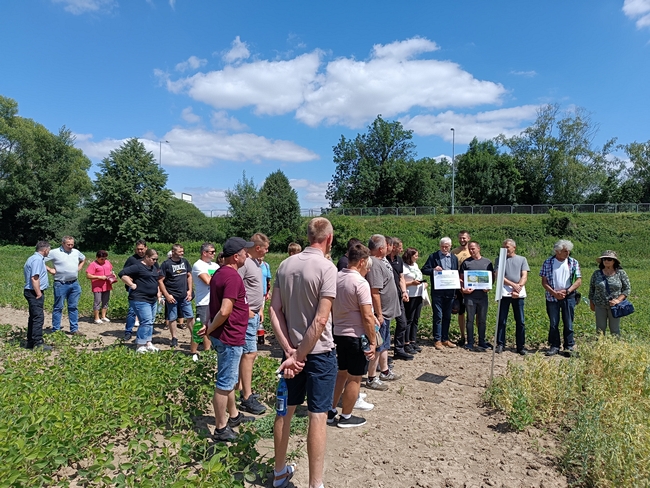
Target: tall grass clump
{"type": "Point", "coordinates": [598, 403]}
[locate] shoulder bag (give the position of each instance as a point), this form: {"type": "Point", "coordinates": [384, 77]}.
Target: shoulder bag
{"type": "Point", "coordinates": [622, 309]}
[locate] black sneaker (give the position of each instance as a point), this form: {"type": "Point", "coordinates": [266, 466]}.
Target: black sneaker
{"type": "Point", "coordinates": [174, 342]}
{"type": "Point", "coordinates": [403, 355]}
{"type": "Point", "coordinates": [353, 421]}
{"type": "Point", "coordinates": [224, 435]}
{"type": "Point", "coordinates": [42, 347]}
{"type": "Point", "coordinates": [128, 336]}
{"type": "Point", "coordinates": [240, 419]}
{"type": "Point", "coordinates": [460, 342]}
{"type": "Point", "coordinates": [499, 349]}
{"type": "Point", "coordinates": [331, 417]}
{"type": "Point", "coordinates": [523, 352]}
{"type": "Point", "coordinates": [415, 347]}
{"type": "Point", "coordinates": [552, 351]}
{"type": "Point", "coordinates": [485, 345]}
{"type": "Point", "coordinates": [252, 405]}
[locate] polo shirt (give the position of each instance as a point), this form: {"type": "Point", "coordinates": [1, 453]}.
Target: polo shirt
{"type": "Point", "coordinates": [251, 274]}
{"type": "Point", "coordinates": [35, 265]}
{"type": "Point", "coordinates": [352, 291]}
{"type": "Point", "coordinates": [65, 263]}
{"type": "Point", "coordinates": [380, 276]}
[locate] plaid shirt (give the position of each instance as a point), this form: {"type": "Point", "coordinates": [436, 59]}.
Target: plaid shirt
{"type": "Point", "coordinates": [547, 272]}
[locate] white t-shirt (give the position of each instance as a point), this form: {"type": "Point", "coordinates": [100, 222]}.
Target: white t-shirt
{"type": "Point", "coordinates": [412, 272]}
{"type": "Point", "coordinates": [202, 290]}
{"type": "Point", "coordinates": [561, 274]}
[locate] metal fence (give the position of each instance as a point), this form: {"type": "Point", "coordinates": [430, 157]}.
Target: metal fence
{"type": "Point", "coordinates": [480, 210]}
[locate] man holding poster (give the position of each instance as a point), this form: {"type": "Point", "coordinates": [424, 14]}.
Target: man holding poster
{"type": "Point", "coordinates": [442, 265]}
{"type": "Point", "coordinates": [476, 273]}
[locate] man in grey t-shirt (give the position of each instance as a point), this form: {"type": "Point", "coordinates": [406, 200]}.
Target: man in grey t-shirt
{"type": "Point", "coordinates": [516, 275]}
{"type": "Point", "coordinates": [476, 301]}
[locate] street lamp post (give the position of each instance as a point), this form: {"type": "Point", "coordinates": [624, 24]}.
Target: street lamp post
{"type": "Point", "coordinates": [453, 167]}
{"type": "Point", "coordinates": [160, 151]}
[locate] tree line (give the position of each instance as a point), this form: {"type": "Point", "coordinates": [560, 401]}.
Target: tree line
{"type": "Point", "coordinates": [554, 161]}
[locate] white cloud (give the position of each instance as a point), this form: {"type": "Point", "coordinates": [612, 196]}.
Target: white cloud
{"type": "Point", "coordinates": [172, 4]}
{"type": "Point", "coordinates": [483, 125]}
{"type": "Point", "coordinates": [221, 120]}
{"type": "Point", "coordinates": [343, 91]}
{"type": "Point", "coordinates": [192, 63]}
{"type": "Point", "coordinates": [311, 193]}
{"type": "Point", "coordinates": [639, 10]}
{"type": "Point", "coordinates": [200, 148]}
{"type": "Point", "coordinates": [209, 199]}
{"type": "Point", "coordinates": [78, 7]}
{"type": "Point", "coordinates": [527, 74]}
{"type": "Point", "coordinates": [190, 116]}
{"type": "Point", "coordinates": [238, 51]}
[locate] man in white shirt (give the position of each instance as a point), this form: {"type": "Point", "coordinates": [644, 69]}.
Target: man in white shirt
{"type": "Point", "coordinates": [202, 272]}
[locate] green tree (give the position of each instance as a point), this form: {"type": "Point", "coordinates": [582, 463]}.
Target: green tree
{"type": "Point", "coordinates": [281, 209]}
{"type": "Point", "coordinates": [130, 198]}
{"type": "Point", "coordinates": [638, 174]}
{"type": "Point", "coordinates": [245, 208]}
{"type": "Point", "coordinates": [43, 178]}
{"type": "Point", "coordinates": [183, 222]}
{"type": "Point", "coordinates": [485, 176]}
{"type": "Point", "coordinates": [427, 183]}
{"type": "Point", "coordinates": [370, 169]}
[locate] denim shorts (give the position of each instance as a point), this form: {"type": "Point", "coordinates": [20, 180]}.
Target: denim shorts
{"type": "Point", "coordinates": [182, 308]}
{"type": "Point", "coordinates": [228, 358]}
{"type": "Point", "coordinates": [251, 334]}
{"type": "Point", "coordinates": [350, 356]}
{"type": "Point", "coordinates": [316, 380]}
{"type": "Point", "coordinates": [384, 332]}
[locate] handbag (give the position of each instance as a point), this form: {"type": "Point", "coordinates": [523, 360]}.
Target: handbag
{"type": "Point", "coordinates": [622, 309]}
{"type": "Point", "coordinates": [378, 338]}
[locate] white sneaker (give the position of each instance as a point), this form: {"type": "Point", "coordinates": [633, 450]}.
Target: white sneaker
{"type": "Point", "coordinates": [137, 322]}
{"type": "Point", "coordinates": [106, 319]}
{"type": "Point", "coordinates": [150, 347]}
{"type": "Point", "coordinates": [195, 357]}
{"type": "Point", "coordinates": [363, 395]}
{"type": "Point", "coordinates": [99, 321]}
{"type": "Point", "coordinates": [142, 349]}
{"type": "Point", "coordinates": [361, 404]}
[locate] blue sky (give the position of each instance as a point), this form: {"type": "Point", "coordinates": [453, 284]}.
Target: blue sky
{"type": "Point", "coordinates": [258, 86]}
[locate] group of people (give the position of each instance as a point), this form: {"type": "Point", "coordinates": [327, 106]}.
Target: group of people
{"type": "Point", "coordinates": [333, 325]}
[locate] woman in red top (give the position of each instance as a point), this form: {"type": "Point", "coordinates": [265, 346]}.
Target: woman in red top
{"type": "Point", "coordinates": [100, 272]}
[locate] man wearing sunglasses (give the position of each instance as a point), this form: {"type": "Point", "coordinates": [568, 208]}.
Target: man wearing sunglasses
{"type": "Point", "coordinates": [202, 272]}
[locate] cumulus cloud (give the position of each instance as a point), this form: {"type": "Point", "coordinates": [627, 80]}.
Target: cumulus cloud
{"type": "Point", "coordinates": [78, 7]}
{"type": "Point", "coordinates": [209, 199]}
{"type": "Point", "coordinates": [200, 148]}
{"type": "Point", "coordinates": [310, 193]}
{"type": "Point", "coordinates": [527, 74]}
{"type": "Point", "coordinates": [192, 63]}
{"type": "Point", "coordinates": [343, 91]}
{"type": "Point", "coordinates": [483, 125]}
{"type": "Point", "coordinates": [190, 116]}
{"type": "Point", "coordinates": [639, 10]}
{"type": "Point", "coordinates": [221, 120]}
{"type": "Point", "coordinates": [238, 51]}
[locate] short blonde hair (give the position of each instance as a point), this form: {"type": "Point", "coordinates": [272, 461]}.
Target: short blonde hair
{"type": "Point", "coordinates": [318, 229]}
{"type": "Point", "coordinates": [294, 248]}
{"type": "Point", "coordinates": [260, 239]}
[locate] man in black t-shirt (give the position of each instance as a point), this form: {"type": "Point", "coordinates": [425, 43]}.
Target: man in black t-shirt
{"type": "Point", "coordinates": [175, 284]}
{"type": "Point", "coordinates": [137, 257]}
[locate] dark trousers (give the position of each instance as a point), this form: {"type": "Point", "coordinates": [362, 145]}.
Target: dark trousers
{"type": "Point", "coordinates": [441, 316]}
{"type": "Point", "coordinates": [520, 328]}
{"type": "Point", "coordinates": [36, 318]}
{"type": "Point", "coordinates": [399, 338]}
{"type": "Point", "coordinates": [412, 308]}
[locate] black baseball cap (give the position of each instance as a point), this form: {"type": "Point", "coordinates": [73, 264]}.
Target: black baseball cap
{"type": "Point", "coordinates": [235, 244]}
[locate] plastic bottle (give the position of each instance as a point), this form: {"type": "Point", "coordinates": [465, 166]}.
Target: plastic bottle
{"type": "Point", "coordinates": [281, 396]}
{"type": "Point", "coordinates": [198, 325]}
{"type": "Point", "coordinates": [260, 334]}
{"type": "Point", "coordinates": [365, 344]}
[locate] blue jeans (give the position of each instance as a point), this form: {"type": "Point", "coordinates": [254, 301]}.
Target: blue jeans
{"type": "Point", "coordinates": [70, 292]}
{"type": "Point", "coordinates": [228, 359]}
{"type": "Point", "coordinates": [553, 309]}
{"type": "Point", "coordinates": [520, 328]}
{"type": "Point", "coordinates": [476, 309]}
{"type": "Point", "coordinates": [145, 312]}
{"type": "Point", "coordinates": [251, 334]}
{"type": "Point", "coordinates": [130, 318]}
{"type": "Point", "coordinates": [441, 316]}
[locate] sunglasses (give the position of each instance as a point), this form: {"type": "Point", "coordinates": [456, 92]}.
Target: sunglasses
{"type": "Point", "coordinates": [210, 252]}
{"type": "Point", "coordinates": [155, 259]}
{"type": "Point", "coordinates": [608, 259]}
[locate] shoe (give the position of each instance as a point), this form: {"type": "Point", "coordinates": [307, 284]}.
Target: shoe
{"type": "Point", "coordinates": [449, 344]}
{"type": "Point", "coordinates": [438, 345]}
{"type": "Point", "coordinates": [137, 322]}
{"type": "Point", "coordinates": [570, 351]}
{"type": "Point", "coordinates": [174, 342]}
{"type": "Point", "coordinates": [403, 356]}
{"type": "Point", "coordinates": [479, 349]}
{"type": "Point", "coordinates": [363, 396]}
{"type": "Point", "coordinates": [195, 357]}
{"type": "Point", "coordinates": [252, 405]}
{"type": "Point", "coordinates": [499, 349]}
{"type": "Point", "coordinates": [151, 348]}
{"type": "Point", "coordinates": [182, 326]}
{"type": "Point", "coordinates": [253, 395]}
{"type": "Point", "coordinates": [552, 351]}
{"type": "Point", "coordinates": [468, 347]}
{"type": "Point", "coordinates": [361, 404]}
{"type": "Point", "coordinates": [376, 384]}
{"type": "Point", "coordinates": [240, 419]}
{"type": "Point", "coordinates": [142, 349]}
{"type": "Point", "coordinates": [281, 478]}
{"type": "Point", "coordinates": [106, 319]}
{"type": "Point", "coordinates": [99, 321]}
{"type": "Point", "coordinates": [353, 421]}
{"type": "Point", "coordinates": [224, 435]}
{"type": "Point", "coordinates": [77, 333]}
{"type": "Point", "coordinates": [127, 336]}
{"type": "Point", "coordinates": [42, 347]}
{"type": "Point", "coordinates": [389, 377]}
{"type": "Point", "coordinates": [331, 417]}
{"type": "Point", "coordinates": [460, 342]}
{"type": "Point", "coordinates": [522, 352]}
{"type": "Point", "coordinates": [415, 347]}
{"type": "Point", "coordinates": [485, 345]}
{"type": "Point", "coordinates": [409, 350]}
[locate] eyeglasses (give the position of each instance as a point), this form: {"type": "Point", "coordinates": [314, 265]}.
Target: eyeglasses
{"type": "Point", "coordinates": [210, 252]}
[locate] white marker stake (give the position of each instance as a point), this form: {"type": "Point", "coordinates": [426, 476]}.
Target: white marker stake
{"type": "Point", "coordinates": [503, 254]}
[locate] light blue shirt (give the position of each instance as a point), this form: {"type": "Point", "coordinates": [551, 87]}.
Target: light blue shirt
{"type": "Point", "coordinates": [66, 264]}
{"type": "Point", "coordinates": [35, 265]}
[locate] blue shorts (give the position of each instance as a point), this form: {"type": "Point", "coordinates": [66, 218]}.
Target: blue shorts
{"type": "Point", "coordinates": [182, 308]}
{"type": "Point", "coordinates": [228, 358]}
{"type": "Point", "coordinates": [316, 380]}
{"type": "Point", "coordinates": [384, 332]}
{"type": "Point", "coordinates": [251, 334]}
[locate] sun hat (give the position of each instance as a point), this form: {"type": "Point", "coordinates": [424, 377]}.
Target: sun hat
{"type": "Point", "coordinates": [609, 254]}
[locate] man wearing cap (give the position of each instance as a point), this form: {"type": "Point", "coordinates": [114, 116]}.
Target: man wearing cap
{"type": "Point", "coordinates": [227, 331]}
{"type": "Point", "coordinates": [67, 261]}
{"type": "Point", "coordinates": [561, 278]}
{"type": "Point", "coordinates": [304, 289]}
{"type": "Point", "coordinates": [36, 282]}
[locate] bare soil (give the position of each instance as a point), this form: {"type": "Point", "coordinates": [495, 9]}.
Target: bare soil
{"type": "Point", "coordinates": [430, 429]}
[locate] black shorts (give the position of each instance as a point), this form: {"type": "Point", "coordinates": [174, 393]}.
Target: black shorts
{"type": "Point", "coordinates": [350, 356]}
{"type": "Point", "coordinates": [461, 302]}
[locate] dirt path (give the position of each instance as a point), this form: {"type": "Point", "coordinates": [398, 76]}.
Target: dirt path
{"type": "Point", "coordinates": [428, 430]}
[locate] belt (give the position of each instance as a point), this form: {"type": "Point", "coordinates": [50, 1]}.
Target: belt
{"type": "Point", "coordinates": [66, 282]}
